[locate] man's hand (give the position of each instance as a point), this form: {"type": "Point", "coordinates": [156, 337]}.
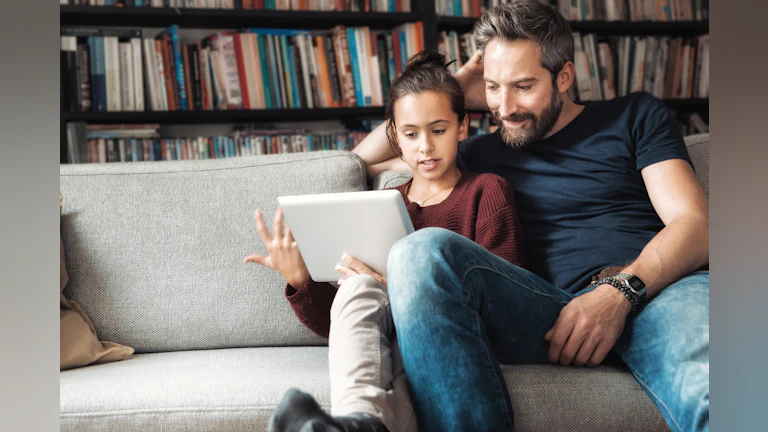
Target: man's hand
{"type": "Point", "coordinates": [354, 267]}
{"type": "Point", "coordinates": [470, 76]}
{"type": "Point", "coordinates": [284, 256]}
{"type": "Point", "coordinates": [588, 327]}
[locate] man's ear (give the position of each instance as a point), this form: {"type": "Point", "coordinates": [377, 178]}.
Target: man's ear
{"type": "Point", "coordinates": [566, 77]}
{"type": "Point", "coordinates": [464, 128]}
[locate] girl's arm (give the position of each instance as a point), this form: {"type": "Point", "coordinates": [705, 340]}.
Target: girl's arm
{"type": "Point", "coordinates": [311, 303]}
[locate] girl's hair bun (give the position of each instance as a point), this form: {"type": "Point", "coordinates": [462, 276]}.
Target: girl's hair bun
{"type": "Point", "coordinates": [426, 59]}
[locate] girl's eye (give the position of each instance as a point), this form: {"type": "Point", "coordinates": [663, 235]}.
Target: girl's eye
{"type": "Point", "coordinates": [438, 131]}
{"type": "Point", "coordinates": [410, 135]}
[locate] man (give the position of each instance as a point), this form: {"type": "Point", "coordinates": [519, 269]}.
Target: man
{"type": "Point", "coordinates": [608, 185]}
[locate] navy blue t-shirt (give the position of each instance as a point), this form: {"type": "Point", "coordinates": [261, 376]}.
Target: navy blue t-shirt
{"type": "Point", "coordinates": [580, 196]}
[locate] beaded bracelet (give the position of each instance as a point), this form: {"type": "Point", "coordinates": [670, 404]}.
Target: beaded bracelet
{"type": "Point", "coordinates": [633, 298]}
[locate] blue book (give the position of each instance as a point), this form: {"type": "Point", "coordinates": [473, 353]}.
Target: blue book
{"type": "Point", "coordinates": [351, 40]}
{"type": "Point", "coordinates": [288, 55]}
{"type": "Point", "coordinates": [238, 4]}
{"type": "Point", "coordinates": [139, 3]}
{"type": "Point", "coordinates": [403, 49]}
{"type": "Point", "coordinates": [457, 8]}
{"type": "Point", "coordinates": [274, 72]}
{"type": "Point", "coordinates": [135, 150]}
{"type": "Point", "coordinates": [264, 71]}
{"type": "Point", "coordinates": [179, 149]}
{"type": "Point", "coordinates": [276, 31]}
{"type": "Point", "coordinates": [269, 5]}
{"type": "Point", "coordinates": [99, 74]}
{"type": "Point", "coordinates": [177, 58]}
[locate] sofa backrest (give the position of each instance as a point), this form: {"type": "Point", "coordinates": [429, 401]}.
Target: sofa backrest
{"type": "Point", "coordinates": [698, 150]}
{"type": "Point", "coordinates": [155, 249]}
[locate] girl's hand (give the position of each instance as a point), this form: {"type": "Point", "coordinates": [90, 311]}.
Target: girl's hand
{"type": "Point", "coordinates": [284, 256]}
{"type": "Point", "coordinates": [470, 76]}
{"type": "Point", "coordinates": [356, 267]}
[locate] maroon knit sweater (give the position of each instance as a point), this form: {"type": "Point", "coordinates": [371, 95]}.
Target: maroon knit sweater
{"type": "Point", "coordinates": [481, 207]}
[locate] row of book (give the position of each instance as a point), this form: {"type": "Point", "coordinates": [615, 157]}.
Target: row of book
{"type": "Point", "coordinates": [119, 70]}
{"type": "Point", "coordinates": [137, 143]}
{"type": "Point", "coordinates": [667, 67]}
{"type": "Point", "coordinates": [593, 10]}
{"type": "Point", "coordinates": [611, 66]}
{"type": "Point", "coordinates": [634, 10]}
{"type": "Point", "coordinates": [303, 5]}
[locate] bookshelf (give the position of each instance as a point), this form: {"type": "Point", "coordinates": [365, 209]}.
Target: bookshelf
{"type": "Point", "coordinates": [424, 11]}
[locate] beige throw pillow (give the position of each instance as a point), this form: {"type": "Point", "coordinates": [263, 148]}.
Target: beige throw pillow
{"type": "Point", "coordinates": [79, 344]}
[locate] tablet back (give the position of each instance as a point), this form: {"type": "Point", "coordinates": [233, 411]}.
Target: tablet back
{"type": "Point", "coordinates": [363, 225]}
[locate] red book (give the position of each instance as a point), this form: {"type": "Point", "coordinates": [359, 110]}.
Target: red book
{"type": "Point", "coordinates": [396, 48]}
{"type": "Point", "coordinates": [241, 70]}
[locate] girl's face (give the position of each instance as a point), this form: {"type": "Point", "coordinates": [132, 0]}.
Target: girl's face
{"type": "Point", "coordinates": [428, 133]}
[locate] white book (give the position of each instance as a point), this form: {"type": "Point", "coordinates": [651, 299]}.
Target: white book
{"type": "Point", "coordinates": [376, 96]}
{"type": "Point", "coordinates": [362, 59]}
{"type": "Point", "coordinates": [150, 75]}
{"type": "Point", "coordinates": [582, 70]}
{"type": "Point", "coordinates": [138, 76]}
{"type": "Point", "coordinates": [112, 73]}
{"type": "Point", "coordinates": [299, 40]}
{"type": "Point", "coordinates": [315, 68]}
{"type": "Point", "coordinates": [206, 75]}
{"type": "Point", "coordinates": [126, 77]}
{"type": "Point", "coordinates": [594, 67]}
{"type": "Point", "coordinates": [161, 77]}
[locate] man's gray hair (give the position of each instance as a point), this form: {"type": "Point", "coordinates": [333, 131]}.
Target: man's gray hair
{"type": "Point", "coordinates": [529, 20]}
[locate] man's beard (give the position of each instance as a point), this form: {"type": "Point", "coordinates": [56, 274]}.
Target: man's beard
{"type": "Point", "coordinates": [540, 125]}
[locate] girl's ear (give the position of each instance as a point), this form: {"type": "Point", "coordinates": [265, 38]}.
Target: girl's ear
{"type": "Point", "coordinates": [464, 128]}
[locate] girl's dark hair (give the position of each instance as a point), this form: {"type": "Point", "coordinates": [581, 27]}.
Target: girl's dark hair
{"type": "Point", "coordinates": [425, 71]}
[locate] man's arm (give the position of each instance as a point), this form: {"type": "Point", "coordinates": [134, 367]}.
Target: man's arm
{"type": "Point", "coordinates": [589, 325]}
{"type": "Point", "coordinates": [683, 245]}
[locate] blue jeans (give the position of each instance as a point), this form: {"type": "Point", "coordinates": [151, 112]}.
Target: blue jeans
{"type": "Point", "coordinates": [460, 311]}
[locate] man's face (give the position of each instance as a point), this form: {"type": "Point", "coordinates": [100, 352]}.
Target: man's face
{"type": "Point", "coordinates": [519, 91]}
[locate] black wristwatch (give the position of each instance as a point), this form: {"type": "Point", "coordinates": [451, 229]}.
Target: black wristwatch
{"type": "Point", "coordinates": [634, 283]}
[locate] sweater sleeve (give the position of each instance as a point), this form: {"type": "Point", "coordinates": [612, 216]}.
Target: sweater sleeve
{"type": "Point", "coordinates": [498, 225]}
{"type": "Point", "coordinates": [312, 305]}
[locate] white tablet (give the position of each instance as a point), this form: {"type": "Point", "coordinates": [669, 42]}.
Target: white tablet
{"type": "Point", "coordinates": [363, 225]}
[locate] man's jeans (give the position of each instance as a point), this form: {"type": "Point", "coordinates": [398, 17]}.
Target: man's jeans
{"type": "Point", "coordinates": [459, 311]}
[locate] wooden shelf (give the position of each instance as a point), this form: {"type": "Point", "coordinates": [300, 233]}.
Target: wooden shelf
{"type": "Point", "coordinates": [109, 16]}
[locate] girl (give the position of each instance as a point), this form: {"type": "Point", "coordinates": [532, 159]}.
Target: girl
{"type": "Point", "coordinates": [426, 119]}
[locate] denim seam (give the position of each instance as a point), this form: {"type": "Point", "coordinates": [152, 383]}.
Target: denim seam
{"type": "Point", "coordinates": [489, 358]}
{"type": "Point", "coordinates": [639, 379]}
{"type": "Point", "coordinates": [476, 267]}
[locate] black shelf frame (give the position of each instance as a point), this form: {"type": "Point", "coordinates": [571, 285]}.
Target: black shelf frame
{"type": "Point", "coordinates": [110, 16]}
{"type": "Point", "coordinates": [673, 28]}
{"type": "Point", "coordinates": [223, 116]}
{"type": "Point", "coordinates": [423, 10]}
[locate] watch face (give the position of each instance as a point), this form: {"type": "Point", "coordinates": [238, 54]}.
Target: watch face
{"type": "Point", "coordinates": [636, 284]}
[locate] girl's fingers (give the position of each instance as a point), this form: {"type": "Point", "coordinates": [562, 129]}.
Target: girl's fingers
{"type": "Point", "coordinates": [278, 225]}
{"type": "Point", "coordinates": [356, 265]}
{"type": "Point", "coordinates": [346, 271]}
{"type": "Point", "coordinates": [262, 230]}
{"type": "Point", "coordinates": [258, 259]}
{"type": "Point", "coordinates": [289, 236]}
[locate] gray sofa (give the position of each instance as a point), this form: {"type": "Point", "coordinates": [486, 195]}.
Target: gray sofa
{"type": "Point", "coordinates": [154, 253]}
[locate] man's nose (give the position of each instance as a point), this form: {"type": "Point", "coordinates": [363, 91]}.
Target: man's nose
{"type": "Point", "coordinates": [508, 105]}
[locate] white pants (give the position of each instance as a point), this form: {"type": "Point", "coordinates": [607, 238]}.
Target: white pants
{"type": "Point", "coordinates": [366, 369]}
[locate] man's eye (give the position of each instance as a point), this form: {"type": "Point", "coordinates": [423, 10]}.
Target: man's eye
{"type": "Point", "coordinates": [438, 131]}
{"type": "Point", "coordinates": [492, 87]}
{"type": "Point", "coordinates": [524, 88]}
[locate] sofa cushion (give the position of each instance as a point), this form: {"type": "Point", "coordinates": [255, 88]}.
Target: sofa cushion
{"type": "Point", "coordinates": [237, 389]}
{"type": "Point", "coordinates": [698, 149]}
{"type": "Point", "coordinates": [155, 249]}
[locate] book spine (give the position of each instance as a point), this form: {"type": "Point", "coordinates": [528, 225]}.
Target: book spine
{"type": "Point", "coordinates": [298, 74]}
{"type": "Point", "coordinates": [274, 72]}
{"type": "Point", "coordinates": [176, 44]}
{"type": "Point", "coordinates": [304, 70]}
{"type": "Point", "coordinates": [194, 66]}
{"type": "Point", "coordinates": [187, 84]}
{"type": "Point", "coordinates": [269, 97]}
{"type": "Point", "coordinates": [85, 102]}
{"type": "Point", "coordinates": [126, 77]}
{"type": "Point", "coordinates": [138, 78]}
{"type": "Point", "coordinates": [352, 40]}
{"type": "Point", "coordinates": [333, 72]}
{"type": "Point", "coordinates": [241, 71]}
